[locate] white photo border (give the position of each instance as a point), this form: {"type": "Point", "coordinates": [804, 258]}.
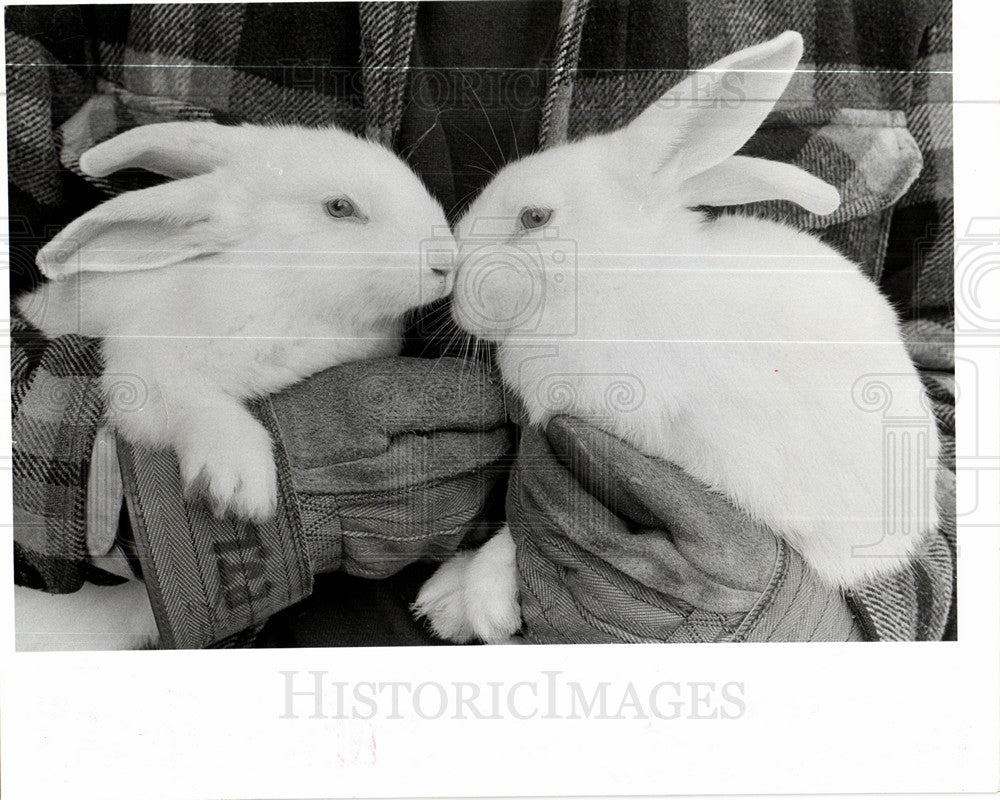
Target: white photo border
{"type": "Point", "coordinates": [823, 718]}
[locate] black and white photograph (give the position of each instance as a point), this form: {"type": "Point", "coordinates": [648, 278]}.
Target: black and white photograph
{"type": "Point", "coordinates": [624, 361]}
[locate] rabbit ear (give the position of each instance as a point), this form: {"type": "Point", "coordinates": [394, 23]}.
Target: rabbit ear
{"type": "Point", "coordinates": [140, 230]}
{"type": "Point", "coordinates": [740, 179]}
{"type": "Point", "coordinates": [708, 116]}
{"type": "Point", "coordinates": [174, 149]}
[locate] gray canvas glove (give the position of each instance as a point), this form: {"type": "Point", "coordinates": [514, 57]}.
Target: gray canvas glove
{"type": "Point", "coordinates": [391, 460]}
{"type": "Point", "coordinates": [380, 463]}
{"type": "Point", "coordinates": [615, 546]}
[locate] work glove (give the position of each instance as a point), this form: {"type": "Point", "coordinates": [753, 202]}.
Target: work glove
{"type": "Point", "coordinates": [615, 546]}
{"type": "Point", "coordinates": [380, 463]}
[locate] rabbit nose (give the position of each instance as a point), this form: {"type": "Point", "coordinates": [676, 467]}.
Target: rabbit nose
{"type": "Point", "coordinates": [441, 258]}
{"type": "Point", "coordinates": [449, 283]}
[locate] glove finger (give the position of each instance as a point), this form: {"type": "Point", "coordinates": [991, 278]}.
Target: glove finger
{"type": "Point", "coordinates": [353, 411]}
{"type": "Point", "coordinates": [709, 532]}
{"type": "Point", "coordinates": [556, 520]}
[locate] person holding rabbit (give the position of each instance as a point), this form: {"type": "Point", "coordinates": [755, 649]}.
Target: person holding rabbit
{"type": "Point", "coordinates": [459, 105]}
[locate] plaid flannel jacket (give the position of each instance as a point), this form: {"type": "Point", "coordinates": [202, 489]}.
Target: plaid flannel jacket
{"type": "Point", "coordinates": [870, 104]}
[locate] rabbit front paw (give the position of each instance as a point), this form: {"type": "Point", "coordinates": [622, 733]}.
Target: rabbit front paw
{"type": "Point", "coordinates": [474, 595]}
{"type": "Point", "coordinates": [231, 465]}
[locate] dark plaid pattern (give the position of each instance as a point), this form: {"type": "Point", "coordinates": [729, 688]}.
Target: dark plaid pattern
{"type": "Point", "coordinates": [554, 127]}
{"type": "Point", "coordinates": [56, 404]}
{"type": "Point", "coordinates": [386, 42]}
{"type": "Point", "coordinates": [869, 111]}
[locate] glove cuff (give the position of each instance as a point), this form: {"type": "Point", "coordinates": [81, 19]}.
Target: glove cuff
{"type": "Point", "coordinates": [209, 578]}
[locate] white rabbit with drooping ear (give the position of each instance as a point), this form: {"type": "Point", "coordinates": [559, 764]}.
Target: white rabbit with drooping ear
{"type": "Point", "coordinates": [277, 252]}
{"type": "Point", "coordinates": [750, 345]}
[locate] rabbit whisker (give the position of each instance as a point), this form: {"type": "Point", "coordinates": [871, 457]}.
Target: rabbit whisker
{"type": "Point", "coordinates": [409, 151]}
{"type": "Point", "coordinates": [500, 150]}
{"type": "Point", "coordinates": [483, 149]}
{"type": "Point", "coordinates": [513, 134]}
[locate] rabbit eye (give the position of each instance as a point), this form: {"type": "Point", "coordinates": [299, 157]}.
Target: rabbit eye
{"type": "Point", "coordinates": [535, 217]}
{"type": "Point", "coordinates": [340, 207]}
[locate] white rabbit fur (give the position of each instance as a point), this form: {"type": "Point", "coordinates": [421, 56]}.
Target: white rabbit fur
{"type": "Point", "coordinates": [234, 282]}
{"type": "Point", "coordinates": [746, 340]}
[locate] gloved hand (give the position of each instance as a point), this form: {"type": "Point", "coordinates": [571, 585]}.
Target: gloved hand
{"type": "Point", "coordinates": [391, 460]}
{"type": "Point", "coordinates": [613, 545]}
{"type": "Point", "coordinates": [380, 463]}
{"type": "Point", "coordinates": [609, 545]}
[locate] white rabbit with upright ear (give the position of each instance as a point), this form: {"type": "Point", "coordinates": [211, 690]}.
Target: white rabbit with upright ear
{"type": "Point", "coordinates": [748, 339]}
{"type": "Point", "coordinates": [277, 252]}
